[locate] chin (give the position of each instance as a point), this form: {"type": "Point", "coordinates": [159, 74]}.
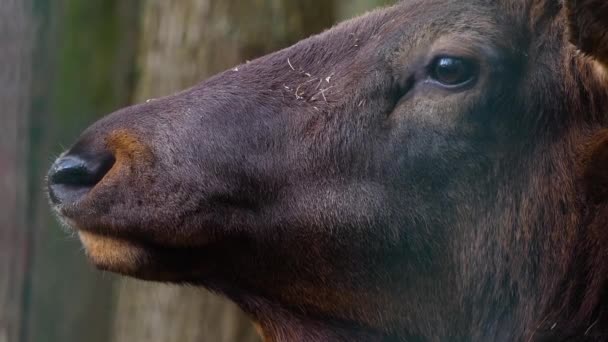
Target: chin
{"type": "Point", "coordinates": [114, 254]}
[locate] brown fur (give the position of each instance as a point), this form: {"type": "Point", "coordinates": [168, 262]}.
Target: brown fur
{"type": "Point", "coordinates": [588, 25]}
{"type": "Point", "coordinates": [335, 191]}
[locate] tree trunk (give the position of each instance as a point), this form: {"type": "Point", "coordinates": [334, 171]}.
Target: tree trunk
{"type": "Point", "coordinates": [185, 41]}
{"type": "Point", "coordinates": [15, 82]}
{"type": "Point", "coordinates": [350, 8]}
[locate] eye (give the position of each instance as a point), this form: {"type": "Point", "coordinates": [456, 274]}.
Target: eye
{"type": "Point", "coordinates": [453, 71]}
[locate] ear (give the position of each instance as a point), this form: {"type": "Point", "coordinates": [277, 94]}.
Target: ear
{"type": "Point", "coordinates": [588, 28]}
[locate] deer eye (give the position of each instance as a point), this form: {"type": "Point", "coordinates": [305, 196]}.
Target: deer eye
{"type": "Point", "coordinates": [453, 72]}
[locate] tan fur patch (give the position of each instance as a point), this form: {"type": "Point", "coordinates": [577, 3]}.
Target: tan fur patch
{"type": "Point", "coordinates": [258, 328]}
{"type": "Point", "coordinates": [602, 70]}
{"type": "Point", "coordinates": [112, 254]}
{"type": "Point", "coordinates": [130, 153]}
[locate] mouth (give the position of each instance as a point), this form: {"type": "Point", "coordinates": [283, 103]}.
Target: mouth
{"type": "Point", "coordinates": [126, 247]}
{"type": "Point", "coordinates": [131, 218]}
{"type": "Point", "coordinates": [106, 252]}
{"type": "Point", "coordinates": [141, 260]}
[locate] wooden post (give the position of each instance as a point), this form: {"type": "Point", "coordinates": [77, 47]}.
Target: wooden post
{"type": "Point", "coordinates": [15, 84]}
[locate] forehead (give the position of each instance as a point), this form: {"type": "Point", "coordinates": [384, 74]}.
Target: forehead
{"type": "Point", "coordinates": [506, 24]}
{"type": "Point", "coordinates": [500, 8]}
{"type": "Point", "coordinates": [443, 13]}
{"type": "Point", "coordinates": [415, 26]}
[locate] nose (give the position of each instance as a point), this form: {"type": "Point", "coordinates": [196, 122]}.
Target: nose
{"type": "Point", "coordinates": [73, 176]}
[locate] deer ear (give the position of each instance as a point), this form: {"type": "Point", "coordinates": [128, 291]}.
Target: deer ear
{"type": "Point", "coordinates": [588, 28]}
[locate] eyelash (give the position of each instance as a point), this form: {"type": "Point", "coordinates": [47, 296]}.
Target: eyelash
{"type": "Point", "coordinates": [466, 71]}
{"type": "Point", "coordinates": [425, 76]}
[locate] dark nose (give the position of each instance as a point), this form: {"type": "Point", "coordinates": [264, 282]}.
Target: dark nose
{"type": "Point", "coordinates": [72, 176]}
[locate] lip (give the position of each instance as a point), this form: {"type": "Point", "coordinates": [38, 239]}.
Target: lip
{"type": "Point", "coordinates": [80, 214]}
{"type": "Point", "coordinates": [81, 217]}
{"type": "Point", "coordinates": [78, 198]}
{"type": "Point", "coordinates": [75, 193]}
{"type": "Point", "coordinates": [72, 224]}
{"type": "Point", "coordinates": [109, 210]}
{"type": "Point", "coordinates": [72, 218]}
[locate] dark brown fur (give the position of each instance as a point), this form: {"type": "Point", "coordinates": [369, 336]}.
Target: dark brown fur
{"type": "Point", "coordinates": [336, 192]}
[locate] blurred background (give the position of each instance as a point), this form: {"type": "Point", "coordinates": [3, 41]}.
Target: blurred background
{"type": "Point", "coordinates": [64, 64]}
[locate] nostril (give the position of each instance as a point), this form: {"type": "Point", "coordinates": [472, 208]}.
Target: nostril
{"type": "Point", "coordinates": [75, 171]}
{"type": "Point", "coordinates": [73, 176]}
{"type": "Point", "coordinates": [70, 171]}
